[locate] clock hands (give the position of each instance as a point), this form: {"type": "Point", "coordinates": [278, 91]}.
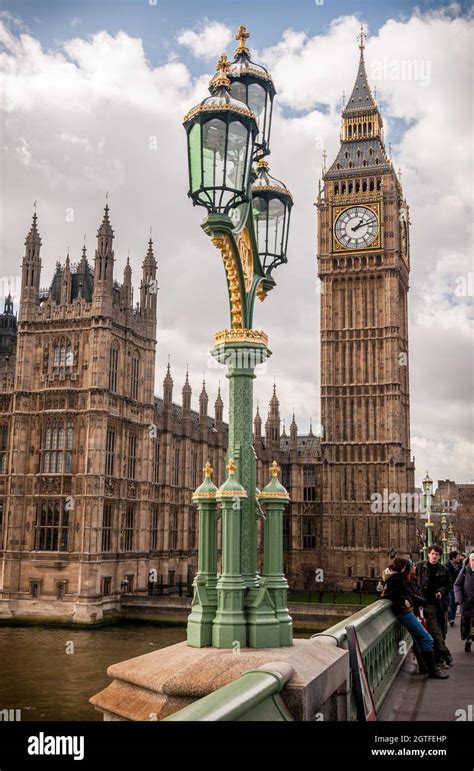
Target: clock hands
{"type": "Point", "coordinates": [367, 222]}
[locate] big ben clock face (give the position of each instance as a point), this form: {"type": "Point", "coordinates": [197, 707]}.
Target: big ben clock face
{"type": "Point", "coordinates": [357, 227]}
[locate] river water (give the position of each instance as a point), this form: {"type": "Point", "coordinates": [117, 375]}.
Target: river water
{"type": "Point", "coordinates": [50, 673]}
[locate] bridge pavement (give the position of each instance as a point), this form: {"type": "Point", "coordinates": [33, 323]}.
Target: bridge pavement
{"type": "Point", "coordinates": [416, 697]}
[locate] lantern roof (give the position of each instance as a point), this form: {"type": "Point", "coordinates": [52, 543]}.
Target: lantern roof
{"type": "Point", "coordinates": [243, 64]}
{"type": "Point", "coordinates": [220, 98]}
{"type": "Point", "coordinates": [266, 183]}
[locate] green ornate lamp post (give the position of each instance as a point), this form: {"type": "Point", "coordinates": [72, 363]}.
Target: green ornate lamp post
{"type": "Point", "coordinates": [248, 214]}
{"type": "Point", "coordinates": [427, 500]}
{"type": "Point", "coordinates": [444, 540]}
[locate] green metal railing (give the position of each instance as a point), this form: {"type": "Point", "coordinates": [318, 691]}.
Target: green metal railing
{"type": "Point", "coordinates": [254, 697]}
{"type": "Point", "coordinates": [380, 636]}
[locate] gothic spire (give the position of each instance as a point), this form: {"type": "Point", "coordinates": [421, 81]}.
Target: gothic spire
{"type": "Point", "coordinates": [361, 99]}
{"type": "Point", "coordinates": [168, 385]}
{"type": "Point", "coordinates": [33, 238]}
{"type": "Point", "coordinates": [105, 228]}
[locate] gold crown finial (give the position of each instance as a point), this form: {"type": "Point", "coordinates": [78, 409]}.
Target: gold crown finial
{"type": "Point", "coordinates": [222, 67]}
{"type": "Point", "coordinates": [231, 467]}
{"type": "Point", "coordinates": [242, 36]}
{"type": "Point", "coordinates": [275, 469]}
{"type": "Point", "coordinates": [361, 38]}
{"type": "Point", "coordinates": [208, 470]}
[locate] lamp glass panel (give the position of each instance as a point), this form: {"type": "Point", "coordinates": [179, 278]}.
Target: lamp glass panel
{"type": "Point", "coordinates": [256, 102]}
{"type": "Point", "coordinates": [194, 144]}
{"type": "Point", "coordinates": [276, 218]}
{"type": "Point", "coordinates": [260, 218]}
{"type": "Point", "coordinates": [213, 152]}
{"type": "Point", "coordinates": [237, 155]}
{"type": "Point", "coordinates": [239, 91]}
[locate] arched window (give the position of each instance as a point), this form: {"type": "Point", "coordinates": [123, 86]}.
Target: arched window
{"type": "Point", "coordinates": [3, 447]}
{"type": "Point", "coordinates": [51, 529]}
{"type": "Point", "coordinates": [62, 356]}
{"type": "Point", "coordinates": [357, 188]}
{"type": "Point", "coordinates": [365, 128]}
{"type": "Point", "coordinates": [57, 447]}
{"type": "Point", "coordinates": [364, 185]}
{"type": "Point", "coordinates": [336, 189]}
{"type": "Point", "coordinates": [379, 184]}
{"type": "Point", "coordinates": [343, 188]}
{"type": "Point", "coordinates": [134, 376]}
{"type": "Point", "coordinates": [371, 185]}
{"type": "Point", "coordinates": [350, 130]}
{"type": "Point", "coordinates": [370, 127]}
{"type": "Point", "coordinates": [350, 187]}
{"type": "Point", "coordinates": [113, 368]}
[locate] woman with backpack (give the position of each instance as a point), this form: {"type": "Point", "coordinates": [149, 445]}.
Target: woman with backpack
{"type": "Point", "coordinates": [404, 600]}
{"type": "Point", "coordinates": [464, 596]}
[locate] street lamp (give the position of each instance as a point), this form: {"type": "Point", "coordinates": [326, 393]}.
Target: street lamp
{"type": "Point", "coordinates": [248, 214]}
{"type": "Point", "coordinates": [272, 202]}
{"type": "Point", "coordinates": [428, 495]}
{"type": "Point", "coordinates": [221, 134]}
{"type": "Point", "coordinates": [252, 84]}
{"type": "Point", "coordinates": [444, 539]}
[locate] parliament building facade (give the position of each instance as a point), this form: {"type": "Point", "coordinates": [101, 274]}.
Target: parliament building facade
{"type": "Point", "coordinates": [97, 473]}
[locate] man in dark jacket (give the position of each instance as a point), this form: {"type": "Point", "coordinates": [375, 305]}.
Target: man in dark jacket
{"type": "Point", "coordinates": [464, 595]}
{"type": "Point", "coordinates": [435, 585]}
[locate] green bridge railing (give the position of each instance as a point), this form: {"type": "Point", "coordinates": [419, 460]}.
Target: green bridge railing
{"type": "Point", "coordinates": [380, 636]}
{"type": "Point", "coordinates": [254, 696]}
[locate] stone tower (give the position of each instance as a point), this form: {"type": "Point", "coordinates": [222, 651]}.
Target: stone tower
{"type": "Point", "coordinates": [78, 502]}
{"type": "Point", "coordinates": [363, 265]}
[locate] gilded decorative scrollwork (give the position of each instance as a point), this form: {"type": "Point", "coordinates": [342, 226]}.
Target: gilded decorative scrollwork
{"type": "Point", "coordinates": [225, 247]}
{"type": "Point", "coordinates": [246, 256]}
{"type": "Point", "coordinates": [241, 336]}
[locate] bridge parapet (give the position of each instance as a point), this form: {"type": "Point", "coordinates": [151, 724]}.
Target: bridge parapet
{"type": "Point", "coordinates": [383, 641]}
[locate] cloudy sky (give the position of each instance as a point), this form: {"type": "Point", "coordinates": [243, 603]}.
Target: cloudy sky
{"type": "Point", "coordinates": [92, 97]}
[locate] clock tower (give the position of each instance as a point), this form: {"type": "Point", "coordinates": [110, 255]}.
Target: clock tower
{"type": "Point", "coordinates": [363, 265]}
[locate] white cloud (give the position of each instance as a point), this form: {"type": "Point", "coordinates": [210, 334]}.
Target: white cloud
{"type": "Point", "coordinates": [76, 21]}
{"type": "Point", "coordinates": [207, 41]}
{"type": "Point", "coordinates": [84, 120]}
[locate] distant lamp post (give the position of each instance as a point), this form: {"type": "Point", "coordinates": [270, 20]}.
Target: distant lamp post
{"type": "Point", "coordinates": [444, 540]}
{"type": "Point", "coordinates": [248, 215]}
{"type": "Point", "coordinates": [427, 501]}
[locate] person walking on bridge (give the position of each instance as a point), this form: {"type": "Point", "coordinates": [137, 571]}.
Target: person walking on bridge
{"type": "Point", "coordinates": [403, 600]}
{"type": "Point", "coordinates": [464, 595]}
{"type": "Point", "coordinates": [435, 585]}
{"type": "Point", "coordinates": [454, 565]}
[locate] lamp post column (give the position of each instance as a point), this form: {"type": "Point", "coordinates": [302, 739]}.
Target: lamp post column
{"type": "Point", "coordinates": [229, 627]}
{"type": "Point", "coordinates": [275, 498]}
{"type": "Point", "coordinates": [204, 605]}
{"type": "Point", "coordinates": [241, 357]}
